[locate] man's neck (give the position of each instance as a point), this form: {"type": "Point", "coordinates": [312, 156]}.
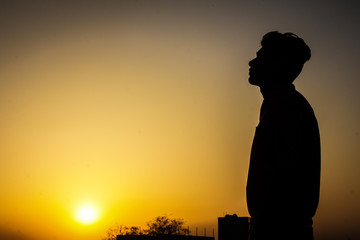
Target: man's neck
{"type": "Point", "coordinates": [275, 90]}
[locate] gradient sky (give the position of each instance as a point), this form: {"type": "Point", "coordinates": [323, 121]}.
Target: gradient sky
{"type": "Point", "coordinates": [143, 108]}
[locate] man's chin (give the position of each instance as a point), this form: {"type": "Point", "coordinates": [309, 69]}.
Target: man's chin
{"type": "Point", "coordinates": [253, 81]}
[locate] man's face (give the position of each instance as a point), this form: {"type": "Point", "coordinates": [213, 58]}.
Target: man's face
{"type": "Point", "coordinates": [263, 68]}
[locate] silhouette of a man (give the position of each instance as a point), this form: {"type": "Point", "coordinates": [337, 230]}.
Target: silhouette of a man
{"type": "Point", "coordinates": [284, 174]}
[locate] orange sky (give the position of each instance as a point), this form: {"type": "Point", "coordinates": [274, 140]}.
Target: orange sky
{"type": "Point", "coordinates": [143, 109]}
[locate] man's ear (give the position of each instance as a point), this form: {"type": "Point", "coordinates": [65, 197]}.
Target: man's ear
{"type": "Point", "coordinates": [277, 66]}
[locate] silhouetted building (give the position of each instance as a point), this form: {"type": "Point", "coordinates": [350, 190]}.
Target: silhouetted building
{"type": "Point", "coordinates": [162, 237]}
{"type": "Point", "coordinates": [232, 227]}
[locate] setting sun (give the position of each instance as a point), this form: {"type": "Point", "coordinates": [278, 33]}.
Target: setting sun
{"type": "Point", "coordinates": [87, 214]}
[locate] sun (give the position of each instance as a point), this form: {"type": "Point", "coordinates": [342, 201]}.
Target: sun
{"type": "Point", "coordinates": [87, 214]}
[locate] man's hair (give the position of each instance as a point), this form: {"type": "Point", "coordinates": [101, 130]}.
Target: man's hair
{"type": "Point", "coordinates": [289, 48]}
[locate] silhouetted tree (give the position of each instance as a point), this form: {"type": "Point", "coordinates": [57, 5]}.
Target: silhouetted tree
{"type": "Point", "coordinates": [112, 232]}
{"type": "Point", "coordinates": [133, 231]}
{"type": "Point", "coordinates": [164, 225]}
{"type": "Point", "coordinates": [161, 225]}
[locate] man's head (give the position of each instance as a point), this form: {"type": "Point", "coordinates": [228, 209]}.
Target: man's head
{"type": "Point", "coordinates": [279, 61]}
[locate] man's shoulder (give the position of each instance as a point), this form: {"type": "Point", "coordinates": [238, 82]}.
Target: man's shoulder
{"type": "Point", "coordinates": [293, 107]}
{"type": "Point", "coordinates": [301, 102]}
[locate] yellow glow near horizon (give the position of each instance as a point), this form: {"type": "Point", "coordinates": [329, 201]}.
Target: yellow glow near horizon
{"type": "Point", "coordinates": [87, 214]}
